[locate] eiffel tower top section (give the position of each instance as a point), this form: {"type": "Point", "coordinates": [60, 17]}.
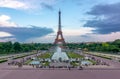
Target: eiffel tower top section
{"type": "Point", "coordinates": [59, 24]}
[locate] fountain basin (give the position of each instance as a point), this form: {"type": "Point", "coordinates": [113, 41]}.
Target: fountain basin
{"type": "Point", "coordinates": [35, 62]}
{"type": "Point", "coordinates": [59, 55]}
{"type": "Point", "coordinates": [62, 56]}
{"type": "Point", "coordinates": [84, 62]}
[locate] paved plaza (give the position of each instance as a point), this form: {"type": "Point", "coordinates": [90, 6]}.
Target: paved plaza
{"type": "Point", "coordinates": [59, 74]}
{"type": "Point", "coordinates": [90, 72]}
{"type": "Point", "coordinates": [11, 72]}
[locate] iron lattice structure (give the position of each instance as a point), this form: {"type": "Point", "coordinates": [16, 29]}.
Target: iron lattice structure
{"type": "Point", "coordinates": [59, 38]}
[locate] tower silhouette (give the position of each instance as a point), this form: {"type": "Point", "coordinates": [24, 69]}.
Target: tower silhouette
{"type": "Point", "coordinates": [59, 38]}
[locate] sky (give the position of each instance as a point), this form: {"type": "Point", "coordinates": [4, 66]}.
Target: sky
{"type": "Point", "coordinates": [37, 20]}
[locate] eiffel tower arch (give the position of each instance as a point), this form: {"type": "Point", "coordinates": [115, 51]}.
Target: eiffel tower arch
{"type": "Point", "coordinates": [59, 38]}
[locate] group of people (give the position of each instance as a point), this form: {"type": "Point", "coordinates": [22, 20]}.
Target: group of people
{"type": "Point", "coordinates": [99, 61]}
{"type": "Point", "coordinates": [57, 67]}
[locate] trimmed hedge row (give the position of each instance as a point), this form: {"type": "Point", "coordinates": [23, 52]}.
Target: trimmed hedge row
{"type": "Point", "coordinates": [101, 56]}
{"type": "Point", "coordinates": [105, 57]}
{"type": "Point", "coordinates": [74, 64]}
{"type": "Point", "coordinates": [21, 56]}
{"type": "Point", "coordinates": [3, 60]}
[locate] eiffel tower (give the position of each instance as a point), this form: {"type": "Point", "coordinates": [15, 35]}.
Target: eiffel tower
{"type": "Point", "coordinates": [59, 39]}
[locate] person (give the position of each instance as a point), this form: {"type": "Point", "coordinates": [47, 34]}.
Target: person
{"type": "Point", "coordinates": [69, 68]}
{"type": "Point", "coordinates": [80, 68]}
{"type": "Point", "coordinates": [33, 65]}
{"type": "Point", "coordinates": [19, 65]}
{"type": "Point", "coordinates": [37, 66]}
{"type": "Point", "coordinates": [53, 67]}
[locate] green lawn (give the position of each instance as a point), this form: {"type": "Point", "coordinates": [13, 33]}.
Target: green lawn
{"type": "Point", "coordinates": [93, 62]}
{"type": "Point", "coordinates": [28, 61]}
{"type": "Point", "coordinates": [74, 64]}
{"type": "Point", "coordinates": [74, 55]}
{"type": "Point", "coordinates": [46, 55]}
{"type": "Point", "coordinates": [3, 60]}
{"type": "Point", "coordinates": [45, 63]}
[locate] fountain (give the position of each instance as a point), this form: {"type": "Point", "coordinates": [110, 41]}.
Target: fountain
{"type": "Point", "coordinates": [59, 55]}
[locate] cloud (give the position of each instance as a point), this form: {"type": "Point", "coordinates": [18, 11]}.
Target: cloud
{"type": "Point", "coordinates": [5, 21]}
{"type": "Point", "coordinates": [78, 39]}
{"type": "Point", "coordinates": [94, 2]}
{"type": "Point", "coordinates": [27, 5]}
{"type": "Point", "coordinates": [49, 7]}
{"type": "Point", "coordinates": [5, 34]}
{"type": "Point", "coordinates": [10, 31]}
{"type": "Point", "coordinates": [105, 18]}
{"type": "Point", "coordinates": [106, 9]}
{"type": "Point", "coordinates": [15, 4]}
{"type": "Point", "coordinates": [70, 35]}
{"type": "Point", "coordinates": [43, 39]}
{"type": "Point", "coordinates": [23, 33]}
{"type": "Point", "coordinates": [4, 39]}
{"type": "Point", "coordinates": [103, 37]}
{"type": "Point", "coordinates": [78, 32]}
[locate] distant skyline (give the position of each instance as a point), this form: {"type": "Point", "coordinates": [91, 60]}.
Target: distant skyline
{"type": "Point", "coordinates": [37, 20]}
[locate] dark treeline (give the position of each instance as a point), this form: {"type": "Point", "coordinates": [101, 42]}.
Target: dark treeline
{"type": "Point", "coordinates": [9, 47]}
{"type": "Point", "coordinates": [108, 47]}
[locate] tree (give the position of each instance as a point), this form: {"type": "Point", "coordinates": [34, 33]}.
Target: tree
{"type": "Point", "coordinates": [17, 47]}
{"type": "Point", "coordinates": [8, 47]}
